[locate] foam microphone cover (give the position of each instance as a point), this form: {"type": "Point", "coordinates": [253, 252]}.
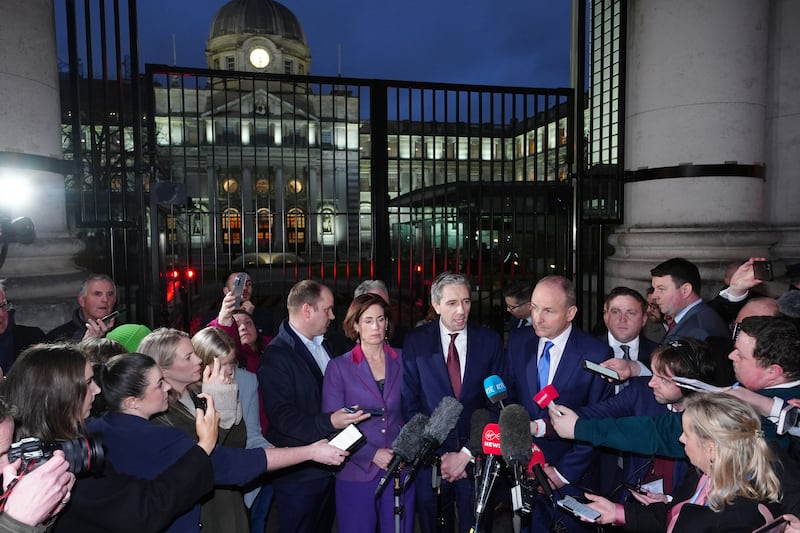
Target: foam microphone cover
{"type": "Point", "coordinates": [789, 304]}
{"type": "Point", "coordinates": [443, 419]}
{"type": "Point", "coordinates": [480, 417]}
{"type": "Point", "coordinates": [515, 434]}
{"type": "Point", "coordinates": [409, 441]}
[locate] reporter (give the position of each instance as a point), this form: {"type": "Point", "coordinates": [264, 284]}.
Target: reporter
{"type": "Point", "coordinates": [36, 496]}
{"type": "Point", "coordinates": [723, 439]}
{"type": "Point", "coordinates": [174, 354]}
{"type": "Point", "coordinates": [52, 388]}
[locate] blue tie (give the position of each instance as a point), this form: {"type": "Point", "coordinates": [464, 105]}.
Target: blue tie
{"type": "Point", "coordinates": [544, 365]}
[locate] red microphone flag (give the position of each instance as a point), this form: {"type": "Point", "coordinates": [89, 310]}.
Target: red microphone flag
{"type": "Point", "coordinates": [491, 439]}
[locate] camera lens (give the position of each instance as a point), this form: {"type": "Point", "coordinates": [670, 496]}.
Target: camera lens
{"type": "Point", "coordinates": [85, 455]}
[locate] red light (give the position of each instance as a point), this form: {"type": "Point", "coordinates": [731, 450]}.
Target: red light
{"type": "Point", "coordinates": [174, 274]}
{"type": "Point", "coordinates": [189, 273]}
{"type": "Point", "coordinates": [418, 268]}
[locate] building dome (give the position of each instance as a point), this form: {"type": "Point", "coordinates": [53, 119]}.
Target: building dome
{"type": "Point", "coordinates": [256, 17]}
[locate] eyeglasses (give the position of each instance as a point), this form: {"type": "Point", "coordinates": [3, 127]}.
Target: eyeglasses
{"type": "Point", "coordinates": [512, 308]}
{"type": "Point", "coordinates": [690, 358]}
{"type": "Point", "coordinates": [5, 305]}
{"type": "Point", "coordinates": [736, 328]}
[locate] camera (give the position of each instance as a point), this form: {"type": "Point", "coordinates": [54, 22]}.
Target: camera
{"type": "Point", "coordinates": [84, 454]}
{"type": "Point", "coordinates": [19, 230]}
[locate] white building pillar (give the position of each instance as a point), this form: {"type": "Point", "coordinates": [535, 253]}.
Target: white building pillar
{"type": "Point", "coordinates": [782, 189]}
{"type": "Point", "coordinates": [42, 277]}
{"type": "Point", "coordinates": [696, 127]}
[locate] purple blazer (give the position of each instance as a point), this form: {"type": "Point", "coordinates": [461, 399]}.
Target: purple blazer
{"type": "Point", "coordinates": [348, 381]}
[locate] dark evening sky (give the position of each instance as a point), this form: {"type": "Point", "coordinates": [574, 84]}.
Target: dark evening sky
{"type": "Point", "coordinates": [494, 42]}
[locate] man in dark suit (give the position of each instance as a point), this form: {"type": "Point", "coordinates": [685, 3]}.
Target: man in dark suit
{"type": "Point", "coordinates": [553, 353]}
{"type": "Point", "coordinates": [517, 297]}
{"type": "Point", "coordinates": [676, 290]}
{"type": "Point", "coordinates": [449, 357]}
{"type": "Point", "coordinates": [625, 315]}
{"type": "Point", "coordinates": [290, 379]}
{"type": "Point", "coordinates": [13, 337]}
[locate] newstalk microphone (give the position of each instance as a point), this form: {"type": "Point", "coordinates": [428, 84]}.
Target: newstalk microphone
{"type": "Point", "coordinates": [495, 390]}
{"type": "Point", "coordinates": [405, 447]}
{"type": "Point", "coordinates": [442, 421]}
{"type": "Point", "coordinates": [491, 447]}
{"type": "Point", "coordinates": [480, 417]}
{"type": "Point", "coordinates": [515, 444]}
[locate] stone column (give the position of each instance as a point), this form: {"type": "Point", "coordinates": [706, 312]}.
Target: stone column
{"type": "Point", "coordinates": [782, 190]}
{"type": "Point", "coordinates": [43, 280]}
{"type": "Point", "coordinates": [696, 120]}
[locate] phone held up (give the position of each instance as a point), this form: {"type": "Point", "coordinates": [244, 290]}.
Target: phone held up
{"type": "Point", "coordinates": [763, 270]}
{"type": "Point", "coordinates": [238, 288]}
{"type": "Point", "coordinates": [199, 403]}
{"type": "Point", "coordinates": [106, 319]}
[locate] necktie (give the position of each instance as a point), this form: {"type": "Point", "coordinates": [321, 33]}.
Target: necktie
{"type": "Point", "coordinates": [454, 365]}
{"type": "Point", "coordinates": [626, 355]}
{"type": "Point", "coordinates": [544, 365]}
{"type": "Point", "coordinates": [626, 352]}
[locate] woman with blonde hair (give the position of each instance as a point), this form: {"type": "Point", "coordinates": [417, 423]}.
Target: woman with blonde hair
{"type": "Point", "coordinates": [146, 427]}
{"type": "Point", "coordinates": [723, 439]}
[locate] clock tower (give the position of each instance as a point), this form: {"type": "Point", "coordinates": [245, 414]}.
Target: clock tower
{"type": "Point", "coordinates": [257, 36]}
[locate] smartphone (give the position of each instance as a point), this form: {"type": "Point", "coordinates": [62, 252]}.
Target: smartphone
{"type": "Point", "coordinates": [576, 508]}
{"type": "Point", "coordinates": [374, 412]}
{"type": "Point", "coordinates": [238, 288]}
{"type": "Point", "coordinates": [767, 528]}
{"type": "Point", "coordinates": [199, 403]}
{"type": "Point", "coordinates": [591, 366]}
{"type": "Point", "coordinates": [789, 417]}
{"type": "Point", "coordinates": [635, 488]}
{"type": "Point", "coordinates": [763, 270]}
{"type": "Point", "coordinates": [106, 319]}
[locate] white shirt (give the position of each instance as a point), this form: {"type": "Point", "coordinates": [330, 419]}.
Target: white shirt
{"type": "Point", "coordinates": [633, 353]}
{"type": "Point", "coordinates": [461, 346]}
{"type": "Point", "coordinates": [318, 351]}
{"type": "Point", "coordinates": [556, 351]}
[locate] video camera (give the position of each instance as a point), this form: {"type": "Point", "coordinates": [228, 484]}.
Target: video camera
{"type": "Point", "coordinates": [19, 230]}
{"type": "Point", "coordinates": [85, 454]}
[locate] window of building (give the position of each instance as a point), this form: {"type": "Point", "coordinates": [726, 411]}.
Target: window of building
{"type": "Point", "coordinates": [296, 227]}
{"type": "Point", "coordinates": [301, 69]}
{"type": "Point", "coordinates": [231, 226]}
{"type": "Point", "coordinates": [230, 63]}
{"type": "Point", "coordinates": [287, 66]}
{"type": "Point", "coordinates": [264, 219]}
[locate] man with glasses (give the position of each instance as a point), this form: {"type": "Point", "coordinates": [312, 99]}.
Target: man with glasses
{"type": "Point", "coordinates": [13, 337]}
{"type": "Point", "coordinates": [765, 361]}
{"type": "Point", "coordinates": [517, 298]}
{"type": "Point", "coordinates": [657, 324]}
{"type": "Point", "coordinates": [656, 395]}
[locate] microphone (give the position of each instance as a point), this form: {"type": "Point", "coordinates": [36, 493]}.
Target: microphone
{"type": "Point", "coordinates": [515, 444]}
{"type": "Point", "coordinates": [405, 447]}
{"type": "Point", "coordinates": [480, 417]}
{"type": "Point", "coordinates": [495, 390]}
{"type": "Point", "coordinates": [545, 396]}
{"type": "Point", "coordinates": [442, 421]}
{"type": "Point", "coordinates": [537, 458]}
{"type": "Point", "coordinates": [491, 447]}
{"type": "Point", "coordinates": [544, 482]}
